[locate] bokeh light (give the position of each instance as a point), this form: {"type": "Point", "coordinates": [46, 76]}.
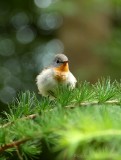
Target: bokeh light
{"type": "Point", "coordinates": [25, 35]}
{"type": "Point", "coordinates": [5, 75]}
{"type": "Point", "coordinates": [13, 65]}
{"type": "Point", "coordinates": [50, 21]}
{"type": "Point", "coordinates": [44, 54]}
{"type": "Point", "coordinates": [7, 94]}
{"type": "Point", "coordinates": [19, 20]}
{"type": "Point", "coordinates": [7, 47]}
{"type": "Point", "coordinates": [31, 33]}
{"type": "Point", "coordinates": [43, 3]}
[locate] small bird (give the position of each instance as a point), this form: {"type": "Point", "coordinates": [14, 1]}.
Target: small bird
{"type": "Point", "coordinates": [57, 74]}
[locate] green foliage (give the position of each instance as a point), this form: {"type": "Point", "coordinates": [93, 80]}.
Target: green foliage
{"type": "Point", "coordinates": [30, 149]}
{"type": "Point", "coordinates": [91, 130]}
{"type": "Point", "coordinates": [83, 92]}
{"type": "Point", "coordinates": [104, 90]}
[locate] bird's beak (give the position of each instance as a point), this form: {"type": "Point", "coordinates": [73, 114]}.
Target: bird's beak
{"type": "Point", "coordinates": [63, 67]}
{"type": "Point", "coordinates": [65, 62]}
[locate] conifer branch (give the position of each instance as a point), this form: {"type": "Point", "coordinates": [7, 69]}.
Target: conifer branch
{"type": "Point", "coordinates": [94, 103]}
{"type": "Point", "coordinates": [31, 116]}
{"type": "Point", "coordinates": [13, 144]}
{"type": "Point", "coordinates": [61, 126]}
{"type": "Point", "coordinates": [18, 153]}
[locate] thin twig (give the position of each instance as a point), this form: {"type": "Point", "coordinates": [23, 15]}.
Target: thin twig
{"type": "Point", "coordinates": [18, 153]}
{"type": "Point", "coordinates": [32, 116]}
{"type": "Point", "coordinates": [13, 144]}
{"type": "Point", "coordinates": [94, 103]}
{"type": "Point", "coordinates": [97, 102]}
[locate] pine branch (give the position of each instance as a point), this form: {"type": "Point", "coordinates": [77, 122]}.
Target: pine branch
{"type": "Point", "coordinates": [13, 144]}
{"type": "Point", "coordinates": [83, 129]}
{"type": "Point", "coordinates": [96, 102]}
{"type": "Point", "coordinates": [18, 153]}
{"type": "Point", "coordinates": [93, 103]}
{"type": "Point", "coordinates": [32, 116]}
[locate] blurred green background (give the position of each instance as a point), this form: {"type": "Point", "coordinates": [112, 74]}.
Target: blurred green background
{"type": "Point", "coordinates": [32, 31]}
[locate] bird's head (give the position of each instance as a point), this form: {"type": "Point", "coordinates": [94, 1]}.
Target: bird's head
{"type": "Point", "coordinates": [60, 63]}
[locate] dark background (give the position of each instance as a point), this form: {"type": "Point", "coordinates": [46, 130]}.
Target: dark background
{"type": "Point", "coordinates": [32, 31]}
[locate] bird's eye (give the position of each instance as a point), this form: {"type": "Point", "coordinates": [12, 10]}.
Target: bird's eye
{"type": "Point", "coordinates": [57, 61]}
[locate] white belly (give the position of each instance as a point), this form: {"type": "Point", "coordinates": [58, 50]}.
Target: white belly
{"type": "Point", "coordinates": [48, 81]}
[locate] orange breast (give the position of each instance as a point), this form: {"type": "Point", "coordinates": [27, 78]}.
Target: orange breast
{"type": "Point", "coordinates": [63, 68]}
{"type": "Point", "coordinates": [61, 72]}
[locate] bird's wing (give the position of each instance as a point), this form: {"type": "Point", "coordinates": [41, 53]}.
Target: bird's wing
{"type": "Point", "coordinates": [72, 80]}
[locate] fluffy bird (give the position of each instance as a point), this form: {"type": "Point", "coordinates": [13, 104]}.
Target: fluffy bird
{"type": "Point", "coordinates": [57, 74]}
